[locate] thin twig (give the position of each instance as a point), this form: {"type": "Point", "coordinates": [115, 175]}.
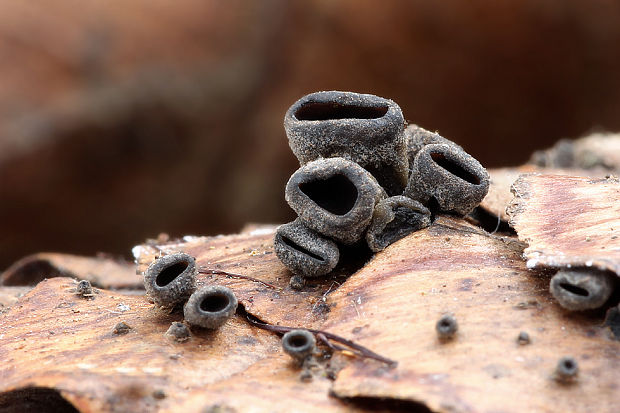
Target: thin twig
{"type": "Point", "coordinates": [230, 274]}
{"type": "Point", "coordinates": [357, 349]}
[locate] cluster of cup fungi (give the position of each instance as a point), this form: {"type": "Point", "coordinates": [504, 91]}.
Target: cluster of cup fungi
{"type": "Point", "coordinates": [365, 177]}
{"type": "Point", "coordinates": [170, 281]}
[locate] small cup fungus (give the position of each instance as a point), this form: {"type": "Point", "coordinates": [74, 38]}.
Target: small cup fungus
{"type": "Point", "coordinates": [395, 218]}
{"type": "Point", "coordinates": [566, 370]}
{"type": "Point", "coordinates": [304, 251]}
{"type": "Point", "coordinates": [446, 327]}
{"type": "Point", "coordinates": [448, 175]}
{"type": "Point", "coordinates": [582, 288]}
{"type": "Point", "coordinates": [171, 279]}
{"type": "Point", "coordinates": [210, 307]}
{"type": "Point", "coordinates": [299, 344]}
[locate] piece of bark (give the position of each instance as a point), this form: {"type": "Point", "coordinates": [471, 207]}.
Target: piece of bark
{"type": "Point", "coordinates": [568, 221]}
{"type": "Point", "coordinates": [392, 306]}
{"type": "Point", "coordinates": [57, 339]}
{"type": "Point", "coordinates": [599, 150]}
{"type": "Point", "coordinates": [269, 296]}
{"type": "Point", "coordinates": [10, 295]}
{"type": "Point", "coordinates": [100, 271]}
{"type": "Point", "coordinates": [499, 195]}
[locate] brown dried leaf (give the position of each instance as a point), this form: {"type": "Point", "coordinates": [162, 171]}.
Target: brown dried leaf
{"type": "Point", "coordinates": [10, 295]}
{"type": "Point", "coordinates": [568, 221]}
{"type": "Point", "coordinates": [54, 338]}
{"type": "Point", "coordinates": [250, 254]}
{"type": "Point", "coordinates": [389, 306]}
{"type": "Point", "coordinates": [499, 195]}
{"type": "Point", "coordinates": [392, 305]}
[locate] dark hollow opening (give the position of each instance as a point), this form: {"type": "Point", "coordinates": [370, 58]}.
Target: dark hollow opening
{"type": "Point", "coordinates": [574, 289]}
{"type": "Point", "coordinates": [569, 365]}
{"type": "Point", "coordinates": [332, 110]}
{"type": "Point", "coordinates": [301, 249]}
{"type": "Point", "coordinates": [214, 302]}
{"type": "Point", "coordinates": [445, 323]}
{"type": "Point", "coordinates": [298, 341]}
{"type": "Point", "coordinates": [35, 399]}
{"type": "Point", "coordinates": [336, 194]}
{"type": "Point", "coordinates": [168, 274]}
{"type": "Point", "coordinates": [454, 168]}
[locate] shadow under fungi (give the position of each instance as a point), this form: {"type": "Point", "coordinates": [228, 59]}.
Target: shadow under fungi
{"type": "Point", "coordinates": [35, 399]}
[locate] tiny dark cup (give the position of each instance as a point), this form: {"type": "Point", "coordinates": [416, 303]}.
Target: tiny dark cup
{"type": "Point", "coordinates": [304, 251]}
{"type": "Point", "coordinates": [171, 279]}
{"type": "Point", "coordinates": [581, 289]}
{"type": "Point", "coordinates": [448, 176]}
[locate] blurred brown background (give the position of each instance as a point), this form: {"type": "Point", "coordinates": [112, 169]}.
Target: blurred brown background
{"type": "Point", "coordinates": [122, 120]}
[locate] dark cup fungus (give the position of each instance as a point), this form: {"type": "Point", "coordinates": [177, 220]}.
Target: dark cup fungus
{"type": "Point", "coordinates": [84, 288]}
{"type": "Point", "coordinates": [304, 251]}
{"type": "Point", "coordinates": [566, 370]}
{"type": "Point", "coordinates": [298, 344]}
{"type": "Point", "coordinates": [365, 129]}
{"type": "Point", "coordinates": [171, 279]}
{"type": "Point", "coordinates": [446, 327]}
{"type": "Point", "coordinates": [178, 332]}
{"type": "Point", "coordinates": [210, 307]}
{"type": "Point", "coordinates": [334, 197]}
{"type": "Point", "coordinates": [395, 218]}
{"type": "Point", "coordinates": [417, 138]}
{"type": "Point", "coordinates": [582, 288]}
{"type": "Point", "coordinates": [448, 176]}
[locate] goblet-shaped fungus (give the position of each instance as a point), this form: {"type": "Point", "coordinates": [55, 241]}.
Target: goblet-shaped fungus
{"type": "Point", "coordinates": [210, 307]}
{"type": "Point", "coordinates": [365, 129]}
{"type": "Point", "coordinates": [448, 175]}
{"type": "Point", "coordinates": [395, 218]}
{"type": "Point", "coordinates": [566, 370]}
{"type": "Point", "coordinates": [304, 251]}
{"type": "Point", "coordinates": [334, 197]}
{"type": "Point", "coordinates": [298, 344]}
{"type": "Point", "coordinates": [178, 331]}
{"type": "Point", "coordinates": [446, 327]}
{"type": "Point", "coordinates": [171, 279]}
{"type": "Point", "coordinates": [582, 288]}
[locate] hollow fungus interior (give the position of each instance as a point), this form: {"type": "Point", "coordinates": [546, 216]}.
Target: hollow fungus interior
{"type": "Point", "coordinates": [170, 273]}
{"type": "Point", "coordinates": [331, 110]}
{"type": "Point", "coordinates": [336, 194]}
{"type": "Point", "coordinates": [298, 341]}
{"type": "Point", "coordinates": [293, 245]}
{"type": "Point", "coordinates": [214, 302]}
{"type": "Point", "coordinates": [454, 168]}
{"type": "Point", "coordinates": [574, 289]}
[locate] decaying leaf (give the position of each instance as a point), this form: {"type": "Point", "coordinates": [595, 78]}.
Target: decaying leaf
{"type": "Point", "coordinates": [269, 296]}
{"type": "Point", "coordinates": [392, 306]}
{"type": "Point", "coordinates": [10, 295]}
{"type": "Point", "coordinates": [101, 272]}
{"type": "Point", "coordinates": [499, 195]}
{"type": "Point", "coordinates": [568, 221]}
{"type": "Point", "coordinates": [56, 339]}
{"type": "Point", "coordinates": [599, 150]}
{"type": "Point", "coordinates": [53, 338]}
